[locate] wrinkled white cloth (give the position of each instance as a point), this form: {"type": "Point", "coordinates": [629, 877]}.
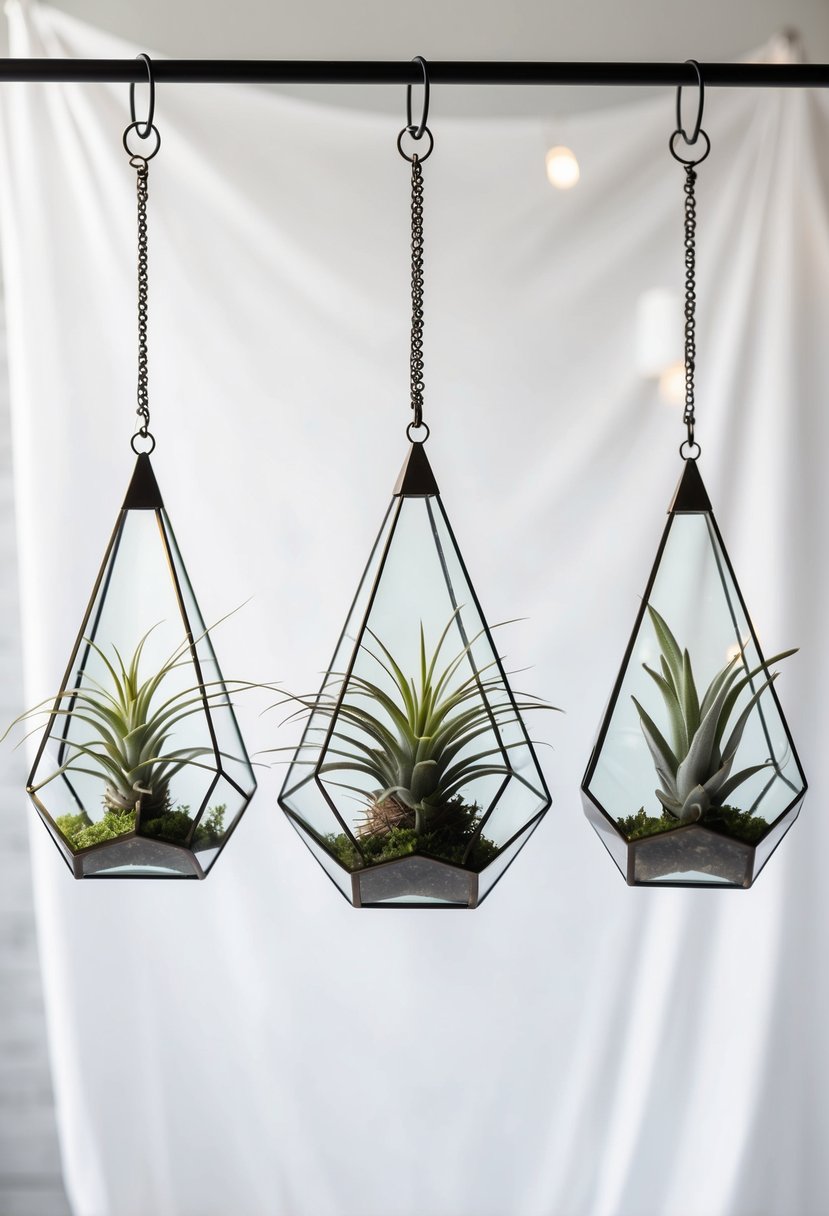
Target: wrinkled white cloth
{"type": "Point", "coordinates": [251, 1046]}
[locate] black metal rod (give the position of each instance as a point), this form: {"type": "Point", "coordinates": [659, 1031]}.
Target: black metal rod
{"type": "Point", "coordinates": [307, 71]}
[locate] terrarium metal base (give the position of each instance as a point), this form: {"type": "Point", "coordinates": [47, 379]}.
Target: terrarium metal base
{"type": "Point", "coordinates": [688, 856]}
{"type": "Point", "coordinates": [127, 856]}
{"type": "Point", "coordinates": [693, 853]}
{"type": "Point", "coordinates": [414, 881]}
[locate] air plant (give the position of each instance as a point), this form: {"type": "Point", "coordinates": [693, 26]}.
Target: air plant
{"type": "Point", "coordinates": [128, 742]}
{"type": "Point", "coordinates": [421, 742]}
{"type": "Point", "coordinates": [695, 769]}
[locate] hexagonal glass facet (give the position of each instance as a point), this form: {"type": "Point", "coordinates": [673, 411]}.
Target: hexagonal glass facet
{"type": "Point", "coordinates": [415, 772]}
{"type": "Point", "coordinates": [141, 771]}
{"type": "Point", "coordinates": [694, 778]}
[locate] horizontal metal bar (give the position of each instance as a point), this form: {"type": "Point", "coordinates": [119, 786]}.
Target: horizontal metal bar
{"type": "Point", "coordinates": [308, 71]}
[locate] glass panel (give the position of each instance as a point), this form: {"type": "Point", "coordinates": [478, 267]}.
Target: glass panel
{"type": "Point", "coordinates": [58, 837]}
{"type": "Point", "coordinates": [490, 876]}
{"type": "Point", "coordinates": [770, 842]}
{"type": "Point", "coordinates": [416, 734]}
{"type": "Point", "coordinates": [206, 858]}
{"type": "Point", "coordinates": [340, 877]}
{"type": "Point", "coordinates": [673, 747]}
{"type": "Point", "coordinates": [517, 805]}
{"type": "Point", "coordinates": [609, 835]}
{"type": "Point", "coordinates": [220, 813]}
{"type": "Point", "coordinates": [231, 748]}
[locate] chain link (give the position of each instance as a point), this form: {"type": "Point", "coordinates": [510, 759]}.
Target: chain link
{"type": "Point", "coordinates": [142, 173]}
{"type": "Point", "coordinates": [688, 416]}
{"type": "Point", "coordinates": [417, 383]}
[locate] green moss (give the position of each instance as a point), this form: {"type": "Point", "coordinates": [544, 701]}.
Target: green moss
{"type": "Point", "coordinates": [448, 842]}
{"type": "Point", "coordinates": [211, 830]}
{"type": "Point", "coordinates": [177, 825]}
{"type": "Point", "coordinates": [81, 832]}
{"type": "Point", "coordinates": [727, 820]}
{"type": "Point", "coordinates": [70, 826]}
{"type": "Point", "coordinates": [174, 826]}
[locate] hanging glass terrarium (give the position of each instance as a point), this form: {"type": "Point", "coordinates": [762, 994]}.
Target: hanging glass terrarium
{"type": "Point", "coordinates": [415, 783]}
{"type": "Point", "coordinates": [694, 779]}
{"type": "Point", "coordinates": [141, 771]}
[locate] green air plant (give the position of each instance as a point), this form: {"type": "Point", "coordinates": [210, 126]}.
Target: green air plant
{"type": "Point", "coordinates": [695, 769]}
{"type": "Point", "coordinates": [123, 732]}
{"type": "Point", "coordinates": [417, 742]}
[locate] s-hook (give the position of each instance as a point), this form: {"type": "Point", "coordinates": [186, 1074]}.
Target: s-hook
{"type": "Point", "coordinates": [416, 160]}
{"type": "Point", "coordinates": [151, 100]}
{"type": "Point", "coordinates": [417, 132]}
{"type": "Point", "coordinates": [689, 449]}
{"type": "Point", "coordinates": [136, 125]}
{"type": "Point", "coordinates": [142, 440]}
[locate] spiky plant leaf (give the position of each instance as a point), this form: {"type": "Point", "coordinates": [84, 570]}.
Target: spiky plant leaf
{"type": "Point", "coordinates": [695, 775]}
{"type": "Point", "coordinates": [129, 722]}
{"type": "Point", "coordinates": [414, 737]}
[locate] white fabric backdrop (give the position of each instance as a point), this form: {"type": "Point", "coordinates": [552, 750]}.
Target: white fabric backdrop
{"type": "Point", "coordinates": [251, 1046]}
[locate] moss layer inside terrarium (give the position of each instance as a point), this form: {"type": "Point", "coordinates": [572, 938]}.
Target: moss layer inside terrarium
{"type": "Point", "coordinates": [448, 841]}
{"type": "Point", "coordinates": [174, 826]}
{"type": "Point", "coordinates": [727, 820]}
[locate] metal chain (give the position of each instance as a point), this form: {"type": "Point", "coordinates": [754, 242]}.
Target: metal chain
{"type": "Point", "coordinates": [688, 416]}
{"type": "Point", "coordinates": [142, 173]}
{"type": "Point", "coordinates": [416, 358]}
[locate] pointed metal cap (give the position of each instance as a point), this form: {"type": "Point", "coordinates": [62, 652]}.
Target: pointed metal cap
{"type": "Point", "coordinates": [143, 493]}
{"type": "Point", "coordinates": [416, 478]}
{"type": "Point", "coordinates": [691, 496]}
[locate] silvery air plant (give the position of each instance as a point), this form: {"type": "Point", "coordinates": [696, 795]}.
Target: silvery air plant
{"type": "Point", "coordinates": [419, 743]}
{"type": "Point", "coordinates": [128, 722]}
{"type": "Point", "coordinates": [696, 769]}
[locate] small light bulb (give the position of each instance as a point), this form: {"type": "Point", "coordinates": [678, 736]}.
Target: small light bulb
{"type": "Point", "coordinates": [562, 168]}
{"type": "Point", "coordinates": [672, 384]}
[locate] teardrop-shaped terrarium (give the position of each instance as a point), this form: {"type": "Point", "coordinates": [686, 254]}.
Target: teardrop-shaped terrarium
{"type": "Point", "coordinates": [694, 778]}
{"type": "Point", "coordinates": [415, 783]}
{"type": "Point", "coordinates": [141, 771]}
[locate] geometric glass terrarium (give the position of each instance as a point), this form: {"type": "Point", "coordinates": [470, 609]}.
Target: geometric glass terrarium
{"type": "Point", "coordinates": [415, 783]}
{"type": "Point", "coordinates": [141, 771]}
{"type": "Point", "coordinates": [694, 778]}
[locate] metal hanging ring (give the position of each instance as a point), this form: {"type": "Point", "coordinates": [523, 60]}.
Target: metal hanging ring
{"type": "Point", "coordinates": [147, 438]}
{"type": "Point", "coordinates": [143, 154]}
{"type": "Point", "coordinates": [693, 449]}
{"type": "Point", "coordinates": [412, 427]}
{"type": "Point", "coordinates": [680, 130]}
{"type": "Point", "coordinates": [421, 156]}
{"type": "Point", "coordinates": [417, 132]}
{"type": "Point", "coordinates": [148, 124]}
{"type": "Point", "coordinates": [686, 160]}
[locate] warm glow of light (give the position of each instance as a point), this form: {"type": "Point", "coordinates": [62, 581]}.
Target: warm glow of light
{"type": "Point", "coordinates": [562, 168]}
{"type": "Point", "coordinates": [732, 652]}
{"type": "Point", "coordinates": [672, 384]}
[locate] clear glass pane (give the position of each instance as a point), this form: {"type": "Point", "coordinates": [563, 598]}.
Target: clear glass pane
{"type": "Point", "coordinates": [770, 842]}
{"type": "Point", "coordinates": [340, 877]}
{"type": "Point", "coordinates": [609, 835]}
{"type": "Point", "coordinates": [491, 875]}
{"type": "Point", "coordinates": [228, 739]}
